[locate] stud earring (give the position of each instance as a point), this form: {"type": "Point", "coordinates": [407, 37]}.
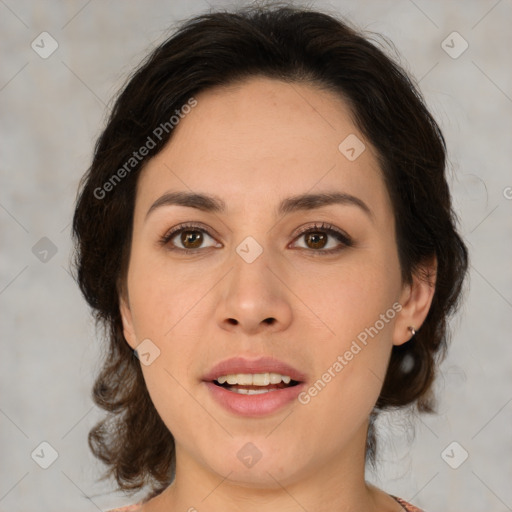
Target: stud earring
{"type": "Point", "coordinates": [412, 329]}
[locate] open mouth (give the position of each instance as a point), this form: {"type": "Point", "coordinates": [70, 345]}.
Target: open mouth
{"type": "Point", "coordinates": [256, 384]}
{"type": "Point", "coordinates": [254, 394]}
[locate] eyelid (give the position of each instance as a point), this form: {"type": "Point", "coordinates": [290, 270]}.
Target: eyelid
{"type": "Point", "coordinates": [332, 231]}
{"type": "Point", "coordinates": [185, 226]}
{"type": "Point", "coordinates": [342, 237]}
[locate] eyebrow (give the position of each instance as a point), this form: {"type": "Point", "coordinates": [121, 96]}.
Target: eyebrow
{"type": "Point", "coordinates": [302, 202]}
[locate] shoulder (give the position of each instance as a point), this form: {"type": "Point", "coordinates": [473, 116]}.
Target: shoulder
{"type": "Point", "coordinates": [130, 508]}
{"type": "Point", "coordinates": [407, 506]}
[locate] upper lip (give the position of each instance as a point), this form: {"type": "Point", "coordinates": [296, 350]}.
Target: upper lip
{"type": "Point", "coordinates": [260, 365]}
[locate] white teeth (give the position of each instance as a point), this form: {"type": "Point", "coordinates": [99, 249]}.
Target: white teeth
{"type": "Point", "coordinates": [275, 378]}
{"type": "Point", "coordinates": [232, 379]}
{"type": "Point", "coordinates": [243, 379]}
{"type": "Point", "coordinates": [261, 379]}
{"type": "Point", "coordinates": [256, 379]}
{"type": "Point", "coordinates": [243, 391]}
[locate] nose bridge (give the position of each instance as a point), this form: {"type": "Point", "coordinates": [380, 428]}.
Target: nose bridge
{"type": "Point", "coordinates": [253, 295]}
{"type": "Point", "coordinates": [251, 279]}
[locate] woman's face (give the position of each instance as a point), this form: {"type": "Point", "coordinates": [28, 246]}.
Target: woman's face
{"type": "Point", "coordinates": [252, 285]}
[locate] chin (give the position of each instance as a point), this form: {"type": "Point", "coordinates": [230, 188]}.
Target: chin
{"type": "Point", "coordinates": [250, 467]}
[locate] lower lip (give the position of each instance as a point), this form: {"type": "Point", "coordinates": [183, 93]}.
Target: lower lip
{"type": "Point", "coordinates": [254, 405]}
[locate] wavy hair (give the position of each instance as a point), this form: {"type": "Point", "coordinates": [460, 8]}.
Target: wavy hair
{"type": "Point", "coordinates": [291, 44]}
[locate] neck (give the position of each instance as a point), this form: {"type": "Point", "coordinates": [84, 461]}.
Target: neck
{"type": "Point", "coordinates": [337, 484]}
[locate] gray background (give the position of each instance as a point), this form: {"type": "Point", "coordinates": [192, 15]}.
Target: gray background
{"type": "Point", "coordinates": [53, 109]}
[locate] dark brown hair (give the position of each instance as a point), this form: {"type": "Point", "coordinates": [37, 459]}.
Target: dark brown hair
{"type": "Point", "coordinates": [293, 45]}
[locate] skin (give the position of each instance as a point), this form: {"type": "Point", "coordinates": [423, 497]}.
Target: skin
{"type": "Point", "coordinates": [254, 144]}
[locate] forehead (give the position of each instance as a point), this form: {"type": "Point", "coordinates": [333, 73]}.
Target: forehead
{"type": "Point", "coordinates": [262, 139]}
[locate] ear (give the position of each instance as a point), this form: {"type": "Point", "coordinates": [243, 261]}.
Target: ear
{"type": "Point", "coordinates": [126, 316]}
{"type": "Point", "coordinates": [415, 300]}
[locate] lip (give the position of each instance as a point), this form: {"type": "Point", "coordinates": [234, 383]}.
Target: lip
{"type": "Point", "coordinates": [259, 365]}
{"type": "Point", "coordinates": [254, 405]}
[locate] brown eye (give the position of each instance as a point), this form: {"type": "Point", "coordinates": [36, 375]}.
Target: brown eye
{"type": "Point", "coordinates": [187, 239]}
{"type": "Point", "coordinates": [191, 239]}
{"type": "Point", "coordinates": [315, 240]}
{"type": "Point", "coordinates": [318, 238]}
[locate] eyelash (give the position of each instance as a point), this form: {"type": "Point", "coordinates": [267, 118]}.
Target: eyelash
{"type": "Point", "coordinates": [342, 237]}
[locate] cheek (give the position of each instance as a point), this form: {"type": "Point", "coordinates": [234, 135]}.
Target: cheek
{"type": "Point", "coordinates": [165, 310]}
{"type": "Point", "coordinates": [162, 295]}
{"type": "Point", "coordinates": [350, 366]}
{"type": "Point", "coordinates": [358, 307]}
{"type": "Point", "coordinates": [350, 296]}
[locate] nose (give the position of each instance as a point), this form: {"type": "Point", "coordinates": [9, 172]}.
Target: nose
{"type": "Point", "coordinates": [255, 297]}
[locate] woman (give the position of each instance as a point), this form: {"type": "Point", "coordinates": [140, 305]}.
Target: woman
{"type": "Point", "coordinates": [266, 232]}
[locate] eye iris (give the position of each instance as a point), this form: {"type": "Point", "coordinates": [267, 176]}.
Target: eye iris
{"type": "Point", "coordinates": [317, 239]}
{"type": "Point", "coordinates": [191, 239]}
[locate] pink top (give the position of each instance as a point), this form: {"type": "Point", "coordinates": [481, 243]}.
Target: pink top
{"type": "Point", "coordinates": [138, 506]}
{"type": "Point", "coordinates": [129, 508]}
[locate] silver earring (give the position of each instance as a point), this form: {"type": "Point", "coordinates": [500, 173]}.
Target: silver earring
{"type": "Point", "coordinates": [412, 329]}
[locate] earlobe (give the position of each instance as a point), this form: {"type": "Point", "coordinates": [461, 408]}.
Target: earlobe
{"type": "Point", "coordinates": [416, 299]}
{"type": "Point", "coordinates": [126, 316]}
